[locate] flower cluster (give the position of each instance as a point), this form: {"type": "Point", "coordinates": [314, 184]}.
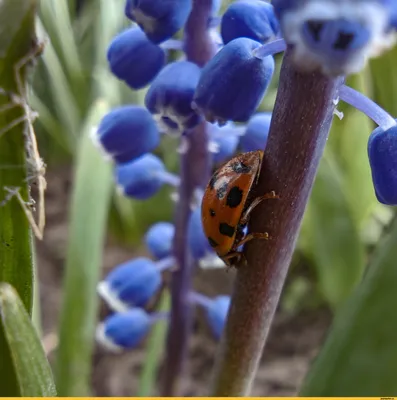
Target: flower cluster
{"type": "Point", "coordinates": [223, 96]}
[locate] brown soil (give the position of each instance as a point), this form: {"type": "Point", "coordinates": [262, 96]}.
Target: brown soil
{"type": "Point", "coordinates": [293, 341]}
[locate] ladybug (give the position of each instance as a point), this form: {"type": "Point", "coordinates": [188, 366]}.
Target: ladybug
{"type": "Point", "coordinates": [227, 204]}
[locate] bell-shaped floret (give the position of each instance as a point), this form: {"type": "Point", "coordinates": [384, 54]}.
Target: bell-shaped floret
{"type": "Point", "coordinates": [170, 96]}
{"type": "Point", "coordinates": [253, 19]}
{"type": "Point", "coordinates": [134, 59]}
{"type": "Point", "coordinates": [382, 153]}
{"type": "Point", "coordinates": [127, 132]}
{"type": "Point", "coordinates": [159, 239]}
{"type": "Point", "coordinates": [125, 330]}
{"type": "Point", "coordinates": [233, 83]}
{"type": "Point", "coordinates": [216, 314]}
{"type": "Point", "coordinates": [159, 19]}
{"type": "Point", "coordinates": [256, 133]}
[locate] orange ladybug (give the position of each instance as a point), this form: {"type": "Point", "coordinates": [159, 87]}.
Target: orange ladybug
{"type": "Point", "coordinates": [226, 205]}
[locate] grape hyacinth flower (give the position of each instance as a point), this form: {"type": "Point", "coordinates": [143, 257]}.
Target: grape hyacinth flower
{"type": "Point", "coordinates": [252, 19]}
{"type": "Point", "coordinates": [159, 20]}
{"type": "Point", "coordinates": [170, 96]}
{"type": "Point", "coordinates": [122, 331]}
{"type": "Point", "coordinates": [233, 83]}
{"type": "Point", "coordinates": [134, 59]}
{"type": "Point", "coordinates": [143, 177]}
{"type": "Point", "coordinates": [133, 283]}
{"type": "Point", "coordinates": [126, 133]}
{"type": "Point", "coordinates": [200, 95]}
{"type": "Point", "coordinates": [159, 238]}
{"type": "Point", "coordinates": [336, 36]}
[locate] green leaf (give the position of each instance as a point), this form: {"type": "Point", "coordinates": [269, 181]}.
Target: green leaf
{"type": "Point", "coordinates": [32, 369]}
{"type": "Point", "coordinates": [17, 34]}
{"type": "Point", "coordinates": [331, 238]}
{"type": "Point", "coordinates": [359, 357]}
{"type": "Point", "coordinates": [88, 218]}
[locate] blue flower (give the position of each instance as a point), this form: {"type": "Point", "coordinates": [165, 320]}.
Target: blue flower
{"type": "Point", "coordinates": [171, 94]}
{"type": "Point", "coordinates": [124, 330]}
{"type": "Point", "coordinates": [159, 239]}
{"type": "Point", "coordinates": [233, 83]}
{"type": "Point", "coordinates": [257, 131]}
{"type": "Point", "coordinates": [196, 239]}
{"type": "Point", "coordinates": [132, 283]}
{"type": "Point", "coordinates": [216, 314]}
{"type": "Point", "coordinates": [127, 132]}
{"type": "Point", "coordinates": [382, 152]}
{"type": "Point", "coordinates": [141, 178]}
{"type": "Point", "coordinates": [253, 19]}
{"type": "Point", "coordinates": [223, 142]}
{"type": "Point", "coordinates": [160, 20]}
{"type": "Point", "coordinates": [337, 37]}
{"type": "Point", "coordinates": [135, 59]}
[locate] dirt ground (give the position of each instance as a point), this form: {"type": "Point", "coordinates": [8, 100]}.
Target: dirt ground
{"type": "Point", "coordinates": [293, 341]}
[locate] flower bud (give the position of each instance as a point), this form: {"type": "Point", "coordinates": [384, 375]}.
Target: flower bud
{"type": "Point", "coordinates": [159, 19]}
{"type": "Point", "coordinates": [127, 132]}
{"type": "Point", "coordinates": [196, 239]}
{"type": "Point", "coordinates": [233, 83]}
{"type": "Point", "coordinates": [130, 284]}
{"type": "Point", "coordinates": [141, 178]}
{"type": "Point", "coordinates": [382, 152]}
{"type": "Point", "coordinates": [253, 19]}
{"type": "Point", "coordinates": [216, 314]}
{"type": "Point", "coordinates": [223, 141]}
{"type": "Point", "coordinates": [170, 95]}
{"type": "Point", "coordinates": [159, 239]}
{"type": "Point", "coordinates": [124, 330]}
{"type": "Point", "coordinates": [256, 133]}
{"type": "Point", "coordinates": [133, 58]}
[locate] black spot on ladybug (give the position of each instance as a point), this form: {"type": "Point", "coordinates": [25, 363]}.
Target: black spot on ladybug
{"type": "Point", "coordinates": [234, 197]}
{"type": "Point", "coordinates": [212, 212]}
{"type": "Point", "coordinates": [213, 180]}
{"type": "Point", "coordinates": [221, 192]}
{"type": "Point", "coordinates": [240, 168]}
{"type": "Point", "coordinates": [212, 242]}
{"type": "Point", "coordinates": [226, 229]}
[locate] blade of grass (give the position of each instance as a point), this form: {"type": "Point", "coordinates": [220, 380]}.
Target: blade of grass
{"type": "Point", "coordinates": [31, 365]}
{"type": "Point", "coordinates": [89, 212]}
{"type": "Point", "coordinates": [359, 357]}
{"type": "Point", "coordinates": [17, 33]}
{"type": "Point", "coordinates": [154, 351]}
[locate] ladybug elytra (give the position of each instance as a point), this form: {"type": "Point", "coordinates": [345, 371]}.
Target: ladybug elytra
{"type": "Point", "coordinates": [227, 205]}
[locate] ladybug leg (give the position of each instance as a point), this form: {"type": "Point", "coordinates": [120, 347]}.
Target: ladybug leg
{"type": "Point", "coordinates": [258, 200]}
{"type": "Point", "coordinates": [254, 235]}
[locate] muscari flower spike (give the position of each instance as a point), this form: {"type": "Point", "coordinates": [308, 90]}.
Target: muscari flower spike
{"type": "Point", "coordinates": [134, 59]}
{"type": "Point", "coordinates": [170, 96]}
{"type": "Point", "coordinates": [159, 239]}
{"type": "Point", "coordinates": [233, 83]}
{"type": "Point", "coordinates": [336, 36]}
{"type": "Point", "coordinates": [253, 19]}
{"type": "Point", "coordinates": [123, 331]}
{"type": "Point", "coordinates": [126, 133]}
{"type": "Point", "coordinates": [143, 177]}
{"type": "Point", "coordinates": [160, 20]}
{"type": "Point", "coordinates": [133, 283]}
{"type": "Point", "coordinates": [256, 133]}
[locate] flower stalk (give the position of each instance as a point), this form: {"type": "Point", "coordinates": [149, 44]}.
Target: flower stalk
{"type": "Point", "coordinates": [195, 170]}
{"type": "Point", "coordinates": [299, 130]}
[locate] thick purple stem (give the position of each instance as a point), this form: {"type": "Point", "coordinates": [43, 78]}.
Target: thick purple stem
{"type": "Point", "coordinates": [300, 125]}
{"type": "Point", "coordinates": [195, 170]}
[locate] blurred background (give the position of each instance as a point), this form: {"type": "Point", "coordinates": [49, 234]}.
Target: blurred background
{"type": "Point", "coordinates": [342, 224]}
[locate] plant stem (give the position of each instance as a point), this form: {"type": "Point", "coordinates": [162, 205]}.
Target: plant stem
{"type": "Point", "coordinates": [195, 169]}
{"type": "Point", "coordinates": [299, 130]}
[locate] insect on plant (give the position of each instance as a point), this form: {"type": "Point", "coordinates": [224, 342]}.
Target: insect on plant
{"type": "Point", "coordinates": [35, 163]}
{"type": "Point", "coordinates": [228, 203]}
